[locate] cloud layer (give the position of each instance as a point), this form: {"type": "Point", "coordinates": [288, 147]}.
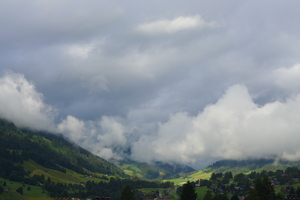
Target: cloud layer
{"type": "Point", "coordinates": [189, 82]}
{"type": "Point", "coordinates": [234, 127]}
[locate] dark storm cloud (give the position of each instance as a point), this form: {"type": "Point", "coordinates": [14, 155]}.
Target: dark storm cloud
{"type": "Point", "coordinates": [155, 73]}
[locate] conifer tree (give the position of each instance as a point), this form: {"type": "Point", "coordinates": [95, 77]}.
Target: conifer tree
{"type": "Point", "coordinates": [208, 195]}
{"type": "Point", "coordinates": [263, 190]}
{"type": "Point", "coordinates": [188, 192]}
{"type": "Point", "coordinates": [127, 193]}
{"type": "Point", "coordinates": [1, 189]}
{"type": "Point", "coordinates": [235, 197]}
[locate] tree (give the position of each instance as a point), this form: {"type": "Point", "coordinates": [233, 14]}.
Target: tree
{"type": "Point", "coordinates": [188, 192]}
{"type": "Point", "coordinates": [228, 175]}
{"type": "Point", "coordinates": [208, 195]}
{"type": "Point", "coordinates": [225, 180]}
{"type": "Point", "coordinates": [127, 193]}
{"type": "Point", "coordinates": [253, 195]}
{"type": "Point", "coordinates": [263, 190]}
{"type": "Point", "coordinates": [20, 190]}
{"type": "Point", "coordinates": [280, 196]}
{"type": "Point", "coordinates": [220, 197]}
{"type": "Point", "coordinates": [1, 189]}
{"type": "Point", "coordinates": [298, 191]}
{"type": "Point", "coordinates": [235, 197]}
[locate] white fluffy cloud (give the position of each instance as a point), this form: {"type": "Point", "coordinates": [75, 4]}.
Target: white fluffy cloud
{"type": "Point", "coordinates": [100, 137]}
{"type": "Point", "coordinates": [23, 104]}
{"type": "Point", "coordinates": [232, 128]}
{"type": "Point", "coordinates": [288, 78]}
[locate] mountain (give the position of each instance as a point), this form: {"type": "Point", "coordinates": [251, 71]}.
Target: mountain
{"type": "Point", "coordinates": [173, 168]}
{"type": "Point", "coordinates": [40, 164]}
{"type": "Point", "coordinates": [244, 166]}
{"type": "Point", "coordinates": [155, 170]}
{"type": "Point", "coordinates": [26, 147]}
{"type": "Point", "coordinates": [19, 147]}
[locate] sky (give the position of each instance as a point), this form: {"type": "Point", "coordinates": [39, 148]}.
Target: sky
{"type": "Point", "coordinates": [188, 82]}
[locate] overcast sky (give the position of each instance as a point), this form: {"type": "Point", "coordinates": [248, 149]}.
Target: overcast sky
{"type": "Point", "coordinates": [180, 81]}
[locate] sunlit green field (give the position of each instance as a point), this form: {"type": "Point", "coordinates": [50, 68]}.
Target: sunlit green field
{"type": "Point", "coordinates": [200, 175]}
{"type": "Point", "coordinates": [57, 176]}
{"type": "Point", "coordinates": [201, 191]}
{"type": "Point", "coordinates": [180, 181]}
{"type": "Point", "coordinates": [34, 191]}
{"type": "Point", "coordinates": [131, 170]}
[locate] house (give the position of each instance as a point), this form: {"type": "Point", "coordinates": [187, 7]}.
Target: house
{"type": "Point", "coordinates": [236, 188]}
{"type": "Point", "coordinates": [219, 191]}
{"type": "Point", "coordinates": [6, 189]}
{"type": "Point", "coordinates": [292, 196]}
{"type": "Point", "coordinates": [295, 180]}
{"type": "Point", "coordinates": [165, 192]}
{"type": "Point", "coordinates": [102, 198]}
{"type": "Point", "coordinates": [288, 188]}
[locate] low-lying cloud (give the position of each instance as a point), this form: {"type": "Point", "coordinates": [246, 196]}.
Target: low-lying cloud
{"type": "Point", "coordinates": [23, 104]}
{"type": "Point", "coordinates": [100, 137]}
{"type": "Point", "coordinates": [235, 127]}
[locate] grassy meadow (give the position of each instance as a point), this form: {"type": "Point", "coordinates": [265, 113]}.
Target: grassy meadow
{"type": "Point", "coordinates": [12, 194]}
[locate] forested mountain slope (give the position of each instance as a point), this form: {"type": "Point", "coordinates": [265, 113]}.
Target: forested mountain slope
{"type": "Point", "coordinates": [155, 170]}
{"type": "Point", "coordinates": [39, 164]}
{"type": "Point", "coordinates": [244, 166]}
{"type": "Point", "coordinates": [48, 150]}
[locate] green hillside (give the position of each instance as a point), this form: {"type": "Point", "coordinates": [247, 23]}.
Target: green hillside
{"type": "Point", "coordinates": [242, 166]}
{"type": "Point", "coordinates": [246, 166]}
{"type": "Point", "coordinates": [156, 170]}
{"type": "Point", "coordinates": [40, 164]}
{"type": "Point", "coordinates": [49, 151]}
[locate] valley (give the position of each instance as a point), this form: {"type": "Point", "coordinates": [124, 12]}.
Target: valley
{"type": "Point", "coordinates": [39, 164]}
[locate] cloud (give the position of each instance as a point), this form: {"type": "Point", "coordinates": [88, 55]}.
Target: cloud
{"type": "Point", "coordinates": [23, 104]}
{"type": "Point", "coordinates": [75, 129]}
{"type": "Point", "coordinates": [232, 128]}
{"type": "Point", "coordinates": [287, 78]}
{"type": "Point", "coordinates": [181, 23]}
{"type": "Point", "coordinates": [102, 137]}
{"type": "Point", "coordinates": [51, 22]}
{"type": "Point", "coordinates": [132, 71]}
